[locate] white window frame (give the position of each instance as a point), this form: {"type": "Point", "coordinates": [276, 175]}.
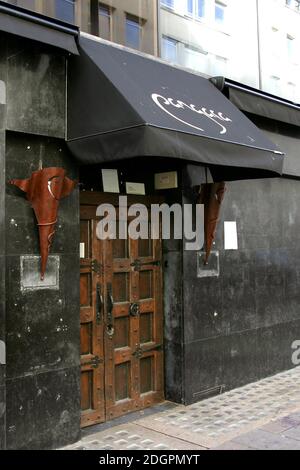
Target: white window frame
{"type": "Point", "coordinates": [223, 6]}
{"type": "Point", "coordinates": [194, 13]}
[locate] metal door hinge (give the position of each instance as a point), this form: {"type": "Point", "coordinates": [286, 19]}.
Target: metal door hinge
{"type": "Point", "coordinates": [139, 352]}
{"type": "Point", "coordinates": [95, 362]}
{"type": "Point", "coordinates": [96, 267]}
{"type": "Point", "coordinates": [138, 264]}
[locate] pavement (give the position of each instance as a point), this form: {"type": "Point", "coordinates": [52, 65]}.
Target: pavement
{"type": "Point", "coordinates": [261, 416]}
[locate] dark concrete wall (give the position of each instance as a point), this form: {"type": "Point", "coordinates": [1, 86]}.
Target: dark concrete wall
{"type": "Point", "coordinates": [36, 84]}
{"type": "Point", "coordinates": [42, 326]}
{"type": "Point", "coordinates": [2, 260]}
{"type": "Point", "coordinates": [239, 328]}
{"type": "Point", "coordinates": [173, 313]}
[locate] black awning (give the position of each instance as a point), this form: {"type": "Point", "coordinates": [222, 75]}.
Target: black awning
{"type": "Point", "coordinates": [122, 104]}
{"type": "Point", "coordinates": [26, 24]}
{"type": "Point", "coordinates": [263, 104]}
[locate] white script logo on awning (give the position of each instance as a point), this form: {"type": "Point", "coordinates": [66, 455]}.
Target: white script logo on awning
{"type": "Point", "coordinates": [170, 103]}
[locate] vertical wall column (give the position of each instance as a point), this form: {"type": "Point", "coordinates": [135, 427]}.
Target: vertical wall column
{"type": "Point", "coordinates": [42, 321]}
{"type": "Point", "coordinates": [173, 313]}
{"type": "Point", "coordinates": [2, 263]}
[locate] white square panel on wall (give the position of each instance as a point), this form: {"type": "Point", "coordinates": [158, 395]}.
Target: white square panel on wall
{"type": "Point", "coordinates": [230, 236]}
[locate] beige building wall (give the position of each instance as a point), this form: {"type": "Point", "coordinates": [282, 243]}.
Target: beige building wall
{"type": "Point", "coordinates": [86, 17]}
{"type": "Point", "coordinates": [146, 11]}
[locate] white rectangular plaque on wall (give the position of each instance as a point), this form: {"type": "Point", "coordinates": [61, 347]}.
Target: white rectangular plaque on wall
{"type": "Point", "coordinates": [230, 236]}
{"type": "Point", "coordinates": [82, 250]}
{"type": "Point", "coordinates": [110, 180]}
{"type": "Point", "coordinates": [136, 188]}
{"type": "Point", "coordinates": [166, 180]}
{"type": "Point", "coordinates": [2, 353]}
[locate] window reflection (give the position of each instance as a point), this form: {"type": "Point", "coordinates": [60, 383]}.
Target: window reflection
{"type": "Point", "coordinates": [169, 49]}
{"type": "Point", "coordinates": [213, 37]}
{"type": "Point", "coordinates": [220, 12]}
{"type": "Point", "coordinates": [65, 10]}
{"type": "Point", "coordinates": [196, 8]}
{"type": "Point", "coordinates": [105, 14]}
{"type": "Point", "coordinates": [133, 32]}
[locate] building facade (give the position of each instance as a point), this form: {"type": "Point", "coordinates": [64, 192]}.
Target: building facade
{"type": "Point", "coordinates": [33, 75]}
{"type": "Point", "coordinates": [123, 325]}
{"type": "Point", "coordinates": [254, 42]}
{"type": "Point", "coordinates": [132, 23]}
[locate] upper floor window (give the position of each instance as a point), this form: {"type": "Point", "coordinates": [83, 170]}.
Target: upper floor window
{"type": "Point", "coordinates": [295, 4]}
{"type": "Point", "coordinates": [196, 8]}
{"type": "Point", "coordinates": [65, 10]}
{"type": "Point", "coordinates": [196, 59]}
{"type": "Point", "coordinates": [169, 49]}
{"type": "Point", "coordinates": [168, 3]}
{"type": "Point", "coordinates": [133, 32]}
{"type": "Point", "coordinates": [274, 85]}
{"type": "Point", "coordinates": [104, 21]}
{"type": "Point", "coordinates": [291, 48]}
{"type": "Point", "coordinates": [220, 66]}
{"type": "Point", "coordinates": [220, 11]}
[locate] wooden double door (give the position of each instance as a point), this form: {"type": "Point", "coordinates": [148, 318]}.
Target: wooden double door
{"type": "Point", "coordinates": [121, 320]}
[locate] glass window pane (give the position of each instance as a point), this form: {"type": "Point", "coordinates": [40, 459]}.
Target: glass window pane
{"type": "Point", "coordinates": [200, 8]}
{"type": "Point", "coordinates": [219, 12]}
{"type": "Point", "coordinates": [190, 7]}
{"type": "Point", "coordinates": [168, 3]}
{"type": "Point", "coordinates": [104, 22]}
{"type": "Point", "coordinates": [169, 49]}
{"type": "Point", "coordinates": [196, 60]}
{"type": "Point", "coordinates": [198, 31]}
{"type": "Point", "coordinates": [133, 33]}
{"type": "Point", "coordinates": [64, 10]}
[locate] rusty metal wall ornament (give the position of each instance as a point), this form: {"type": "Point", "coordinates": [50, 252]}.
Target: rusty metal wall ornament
{"type": "Point", "coordinates": [212, 196]}
{"type": "Point", "coordinates": [44, 189]}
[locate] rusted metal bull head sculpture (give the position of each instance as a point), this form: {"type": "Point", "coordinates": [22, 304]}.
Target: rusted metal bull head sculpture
{"type": "Point", "coordinates": [211, 195]}
{"type": "Point", "coordinates": [44, 189]}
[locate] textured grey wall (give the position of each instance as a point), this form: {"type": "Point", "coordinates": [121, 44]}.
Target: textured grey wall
{"type": "Point", "coordinates": [239, 327]}
{"type": "Point", "coordinates": [2, 242]}
{"type": "Point", "coordinates": [42, 328]}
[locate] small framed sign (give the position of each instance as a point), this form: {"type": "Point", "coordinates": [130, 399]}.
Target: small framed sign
{"type": "Point", "coordinates": [166, 180]}
{"type": "Point", "coordinates": [110, 180]}
{"type": "Point", "coordinates": [136, 188]}
{"type": "Point", "coordinates": [230, 236]}
{"type": "Point", "coordinates": [82, 250]}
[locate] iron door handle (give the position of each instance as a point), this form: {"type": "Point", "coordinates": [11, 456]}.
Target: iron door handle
{"type": "Point", "coordinates": [99, 304]}
{"type": "Point", "coordinates": [110, 306]}
{"type": "Point", "coordinates": [134, 310]}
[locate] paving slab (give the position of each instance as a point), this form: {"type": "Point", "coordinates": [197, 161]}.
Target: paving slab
{"type": "Point", "coordinates": [212, 422]}
{"type": "Point", "coordinates": [293, 433]}
{"type": "Point", "coordinates": [284, 424]}
{"type": "Point", "coordinates": [132, 437]}
{"type": "Point", "coordinates": [263, 415]}
{"type": "Point", "coordinates": [264, 440]}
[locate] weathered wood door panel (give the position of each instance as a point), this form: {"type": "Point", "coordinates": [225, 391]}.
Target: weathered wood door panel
{"type": "Point", "coordinates": [92, 325]}
{"type": "Point", "coordinates": [130, 331]}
